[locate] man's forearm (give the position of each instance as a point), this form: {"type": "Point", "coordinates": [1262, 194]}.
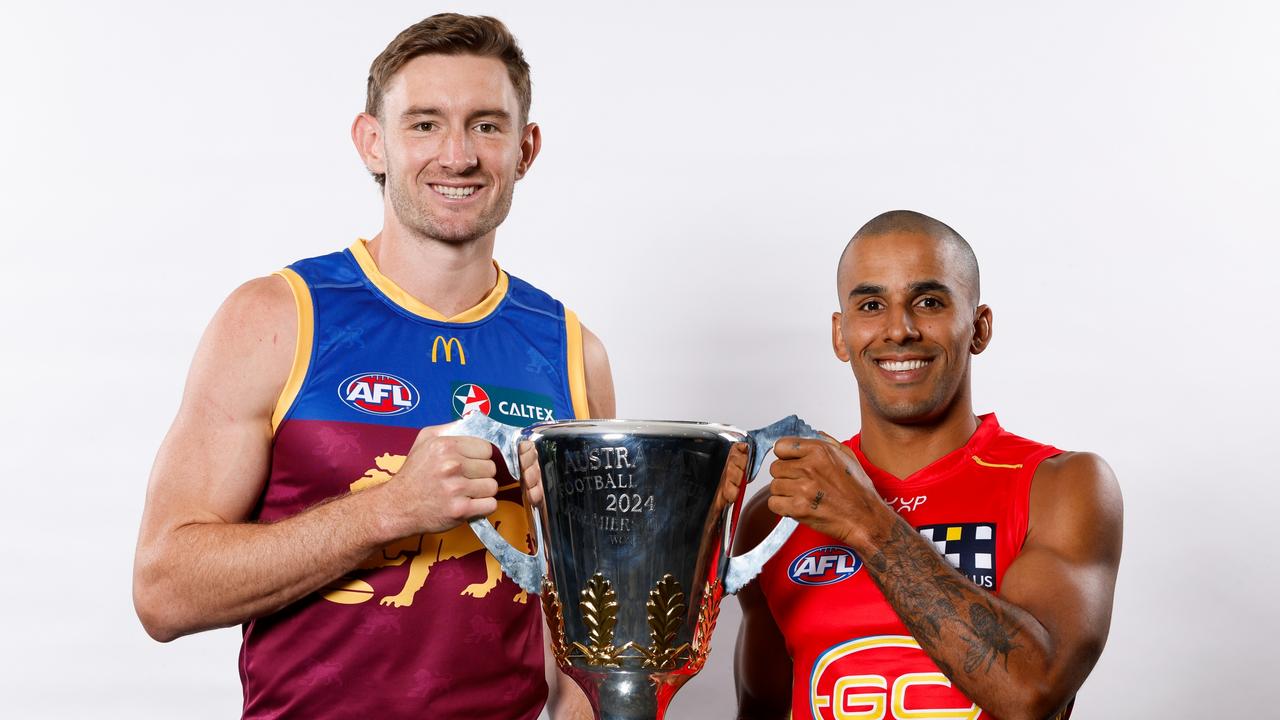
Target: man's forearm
{"type": "Point", "coordinates": [993, 651]}
{"type": "Point", "coordinates": [205, 575]}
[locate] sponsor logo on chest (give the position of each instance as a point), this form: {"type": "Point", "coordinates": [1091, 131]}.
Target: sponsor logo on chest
{"type": "Point", "coordinates": [904, 504]}
{"type": "Point", "coordinates": [844, 683]}
{"type": "Point", "coordinates": [506, 405]}
{"type": "Point", "coordinates": [378, 394]}
{"type": "Point", "coordinates": [968, 547]}
{"type": "Point", "coordinates": [824, 565]}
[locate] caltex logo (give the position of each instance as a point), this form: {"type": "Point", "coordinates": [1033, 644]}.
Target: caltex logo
{"type": "Point", "coordinates": [378, 394]}
{"type": "Point", "coordinates": [824, 565]}
{"type": "Point", "coordinates": [470, 398]}
{"type": "Point", "coordinates": [510, 406]}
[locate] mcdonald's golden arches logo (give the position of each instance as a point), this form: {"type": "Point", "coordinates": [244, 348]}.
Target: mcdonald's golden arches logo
{"type": "Point", "coordinates": [448, 344]}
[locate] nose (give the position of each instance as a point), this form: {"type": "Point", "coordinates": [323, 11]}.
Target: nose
{"type": "Point", "coordinates": [458, 153]}
{"type": "Point", "coordinates": [900, 327]}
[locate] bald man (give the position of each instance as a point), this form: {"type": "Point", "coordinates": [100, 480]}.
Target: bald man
{"type": "Point", "coordinates": [944, 567]}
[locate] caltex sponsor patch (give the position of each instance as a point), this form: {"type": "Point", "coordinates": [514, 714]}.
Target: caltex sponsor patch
{"type": "Point", "coordinates": [506, 405]}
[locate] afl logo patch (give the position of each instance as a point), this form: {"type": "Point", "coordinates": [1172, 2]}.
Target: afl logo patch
{"type": "Point", "coordinates": [470, 398]}
{"type": "Point", "coordinates": [378, 394]}
{"type": "Point", "coordinates": [824, 565]}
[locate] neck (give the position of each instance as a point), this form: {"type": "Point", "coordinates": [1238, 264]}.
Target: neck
{"type": "Point", "coordinates": [902, 449]}
{"type": "Point", "coordinates": [448, 277]}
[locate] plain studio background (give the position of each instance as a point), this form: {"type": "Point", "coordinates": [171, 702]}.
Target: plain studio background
{"type": "Point", "coordinates": [1112, 164]}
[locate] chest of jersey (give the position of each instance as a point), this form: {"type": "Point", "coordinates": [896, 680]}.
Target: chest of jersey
{"type": "Point", "coordinates": [428, 625]}
{"type": "Point", "coordinates": [852, 655]}
{"type": "Point", "coordinates": [378, 372]}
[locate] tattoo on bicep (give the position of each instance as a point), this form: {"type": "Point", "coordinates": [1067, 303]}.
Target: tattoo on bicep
{"type": "Point", "coordinates": [928, 595]}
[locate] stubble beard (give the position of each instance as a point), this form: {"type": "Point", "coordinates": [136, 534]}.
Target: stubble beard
{"type": "Point", "coordinates": [911, 412]}
{"type": "Point", "coordinates": [414, 214]}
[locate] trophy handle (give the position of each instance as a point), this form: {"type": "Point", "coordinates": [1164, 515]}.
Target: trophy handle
{"type": "Point", "coordinates": [745, 567]}
{"type": "Point", "coordinates": [524, 569]}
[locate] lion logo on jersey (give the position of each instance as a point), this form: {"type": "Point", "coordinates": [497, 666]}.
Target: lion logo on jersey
{"type": "Point", "coordinates": [428, 549]}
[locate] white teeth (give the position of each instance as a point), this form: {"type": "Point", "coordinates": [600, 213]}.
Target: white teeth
{"type": "Point", "coordinates": [901, 365]}
{"type": "Point", "coordinates": [454, 192]}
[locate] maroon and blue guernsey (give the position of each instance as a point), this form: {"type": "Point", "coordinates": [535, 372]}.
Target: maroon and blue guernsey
{"type": "Point", "coordinates": [429, 627]}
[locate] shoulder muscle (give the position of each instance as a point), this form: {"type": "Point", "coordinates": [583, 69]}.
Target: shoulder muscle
{"type": "Point", "coordinates": [600, 397]}
{"type": "Point", "coordinates": [216, 456]}
{"type": "Point", "coordinates": [1076, 508]}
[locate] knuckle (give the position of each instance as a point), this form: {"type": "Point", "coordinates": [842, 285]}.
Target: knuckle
{"type": "Point", "coordinates": [452, 487]}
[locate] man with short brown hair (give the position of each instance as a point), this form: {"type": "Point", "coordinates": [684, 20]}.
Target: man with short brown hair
{"type": "Point", "coordinates": [305, 489]}
{"type": "Point", "coordinates": [944, 567]}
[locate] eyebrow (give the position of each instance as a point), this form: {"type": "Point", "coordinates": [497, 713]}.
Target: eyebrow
{"type": "Point", "coordinates": [920, 286]}
{"type": "Point", "coordinates": [490, 113]}
{"type": "Point", "coordinates": [927, 286]}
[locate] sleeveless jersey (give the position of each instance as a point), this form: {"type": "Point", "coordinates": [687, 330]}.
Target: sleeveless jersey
{"type": "Point", "coordinates": [852, 657]}
{"type": "Point", "coordinates": [429, 626]}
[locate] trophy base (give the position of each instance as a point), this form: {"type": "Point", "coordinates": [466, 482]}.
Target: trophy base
{"type": "Point", "coordinates": [629, 694]}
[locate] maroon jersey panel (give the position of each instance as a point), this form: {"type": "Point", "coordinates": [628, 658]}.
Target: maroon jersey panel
{"type": "Point", "coordinates": [428, 627]}
{"type": "Point", "coordinates": [852, 655]}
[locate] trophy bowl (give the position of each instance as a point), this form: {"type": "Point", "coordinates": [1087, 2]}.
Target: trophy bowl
{"type": "Point", "coordinates": [634, 540]}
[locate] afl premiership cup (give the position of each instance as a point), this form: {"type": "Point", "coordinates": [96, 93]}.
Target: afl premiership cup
{"type": "Point", "coordinates": [633, 545]}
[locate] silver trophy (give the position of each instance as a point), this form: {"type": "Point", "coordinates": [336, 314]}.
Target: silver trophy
{"type": "Point", "coordinates": [633, 545]}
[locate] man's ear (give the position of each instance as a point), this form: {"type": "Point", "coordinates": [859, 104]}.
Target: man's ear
{"type": "Point", "coordinates": [366, 133]}
{"type": "Point", "coordinates": [530, 146]}
{"type": "Point", "coordinates": [837, 337]}
{"type": "Point", "coordinates": [981, 330]}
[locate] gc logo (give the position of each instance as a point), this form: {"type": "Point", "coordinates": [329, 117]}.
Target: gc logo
{"type": "Point", "coordinates": [841, 689]}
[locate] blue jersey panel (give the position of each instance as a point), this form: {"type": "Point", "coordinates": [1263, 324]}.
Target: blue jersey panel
{"type": "Point", "coordinates": [375, 361]}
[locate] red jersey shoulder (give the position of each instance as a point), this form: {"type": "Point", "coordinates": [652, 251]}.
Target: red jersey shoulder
{"type": "Point", "coordinates": [1006, 450]}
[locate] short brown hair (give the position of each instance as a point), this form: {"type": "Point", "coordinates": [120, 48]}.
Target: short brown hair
{"type": "Point", "coordinates": [450, 34]}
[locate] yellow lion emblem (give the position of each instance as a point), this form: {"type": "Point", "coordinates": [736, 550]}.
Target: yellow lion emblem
{"type": "Point", "coordinates": [428, 549]}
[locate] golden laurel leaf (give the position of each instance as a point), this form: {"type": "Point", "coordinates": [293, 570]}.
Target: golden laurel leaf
{"type": "Point", "coordinates": [708, 613]}
{"type": "Point", "coordinates": [555, 620]}
{"type": "Point", "coordinates": [666, 612]}
{"type": "Point", "coordinates": [599, 610]}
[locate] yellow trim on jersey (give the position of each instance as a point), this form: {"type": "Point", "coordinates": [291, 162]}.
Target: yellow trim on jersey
{"type": "Point", "coordinates": [853, 646]}
{"type": "Point", "coordinates": [983, 463]}
{"type": "Point", "coordinates": [577, 366]}
{"type": "Point", "coordinates": [402, 298]}
{"type": "Point", "coordinates": [301, 349]}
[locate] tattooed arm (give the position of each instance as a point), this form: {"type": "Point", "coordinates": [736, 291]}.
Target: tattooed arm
{"type": "Point", "coordinates": [1020, 654]}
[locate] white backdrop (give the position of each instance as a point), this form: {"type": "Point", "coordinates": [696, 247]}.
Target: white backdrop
{"type": "Point", "coordinates": [1113, 165]}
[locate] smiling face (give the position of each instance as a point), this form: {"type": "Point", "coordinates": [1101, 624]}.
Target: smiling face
{"type": "Point", "coordinates": [452, 141]}
{"type": "Point", "coordinates": [908, 325]}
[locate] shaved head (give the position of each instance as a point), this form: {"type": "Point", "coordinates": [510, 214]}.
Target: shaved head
{"type": "Point", "coordinates": [909, 320]}
{"type": "Point", "coordinates": [909, 222]}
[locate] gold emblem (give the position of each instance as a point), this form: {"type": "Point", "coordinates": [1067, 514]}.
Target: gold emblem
{"type": "Point", "coordinates": [708, 613]}
{"type": "Point", "coordinates": [600, 614]}
{"type": "Point", "coordinates": [449, 344]}
{"type": "Point", "coordinates": [666, 614]}
{"type": "Point", "coordinates": [667, 608]}
{"type": "Point", "coordinates": [422, 552]}
{"type": "Point", "coordinates": [555, 620]}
